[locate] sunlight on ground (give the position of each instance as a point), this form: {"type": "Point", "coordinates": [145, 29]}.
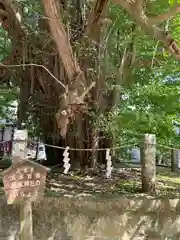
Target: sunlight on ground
{"type": "Point", "coordinates": [170, 179]}
{"type": "Point", "coordinates": [123, 182]}
{"type": "Point", "coordinates": [166, 175]}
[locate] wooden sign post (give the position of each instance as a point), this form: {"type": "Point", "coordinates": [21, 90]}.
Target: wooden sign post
{"type": "Point", "coordinates": [24, 182]}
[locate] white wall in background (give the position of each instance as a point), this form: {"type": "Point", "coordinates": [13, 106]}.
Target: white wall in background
{"type": "Point", "coordinates": [7, 136]}
{"type": "Point", "coordinates": [135, 155]}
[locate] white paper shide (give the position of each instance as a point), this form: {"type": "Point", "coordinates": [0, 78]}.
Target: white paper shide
{"type": "Point", "coordinates": [66, 160]}
{"type": "Point", "coordinates": [109, 164]}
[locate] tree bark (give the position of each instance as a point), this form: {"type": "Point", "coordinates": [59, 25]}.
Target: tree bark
{"type": "Point", "coordinates": [174, 161]}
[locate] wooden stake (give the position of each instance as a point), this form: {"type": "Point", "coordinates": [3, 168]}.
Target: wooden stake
{"type": "Point", "coordinates": [26, 231]}
{"type": "Point", "coordinates": [148, 163]}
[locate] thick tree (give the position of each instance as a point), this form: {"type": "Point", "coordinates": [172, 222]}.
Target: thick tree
{"type": "Point", "coordinates": [55, 61]}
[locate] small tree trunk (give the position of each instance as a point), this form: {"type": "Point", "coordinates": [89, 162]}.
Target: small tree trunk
{"type": "Point", "coordinates": [174, 161]}
{"type": "Point", "coordinates": [148, 163]}
{"type": "Point", "coordinates": [95, 146]}
{"type": "Point", "coordinates": [37, 148]}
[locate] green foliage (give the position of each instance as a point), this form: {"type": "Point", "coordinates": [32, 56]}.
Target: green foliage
{"type": "Point", "coordinates": [151, 102]}
{"type": "Point", "coordinates": [8, 99]}
{"type": "Point", "coordinates": [7, 94]}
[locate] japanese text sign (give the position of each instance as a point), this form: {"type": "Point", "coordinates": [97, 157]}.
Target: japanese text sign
{"type": "Point", "coordinates": [24, 181]}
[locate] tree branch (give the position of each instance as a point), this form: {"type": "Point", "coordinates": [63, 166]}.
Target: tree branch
{"type": "Point", "coordinates": [60, 38]}
{"type": "Point", "coordinates": [139, 3]}
{"type": "Point", "coordinates": [9, 19]}
{"type": "Point", "coordinates": [3, 14]}
{"type": "Point", "coordinates": [146, 24]}
{"type": "Point", "coordinates": [15, 31]}
{"type": "Point", "coordinates": [146, 63]}
{"type": "Point", "coordinates": [94, 19]}
{"type": "Point", "coordinates": [165, 16]}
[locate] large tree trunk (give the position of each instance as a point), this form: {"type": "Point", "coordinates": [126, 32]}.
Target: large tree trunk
{"type": "Point", "coordinates": [58, 83]}
{"type": "Point", "coordinates": [54, 155]}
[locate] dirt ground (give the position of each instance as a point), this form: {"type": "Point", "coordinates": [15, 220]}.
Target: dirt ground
{"type": "Point", "coordinates": [124, 181]}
